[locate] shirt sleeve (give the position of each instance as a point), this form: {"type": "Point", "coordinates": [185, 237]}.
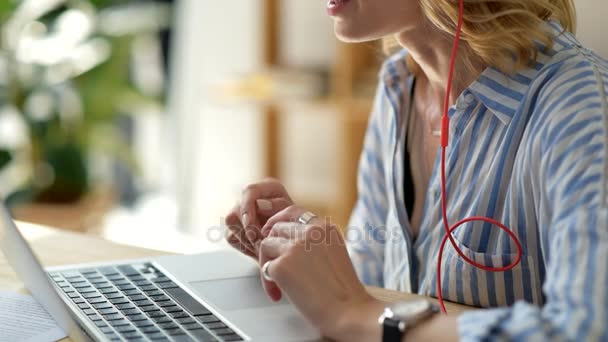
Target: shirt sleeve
{"type": "Point", "coordinates": [366, 229]}
{"type": "Point", "coordinates": [573, 176]}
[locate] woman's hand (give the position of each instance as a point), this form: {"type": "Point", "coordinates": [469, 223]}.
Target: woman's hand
{"type": "Point", "coordinates": [260, 201]}
{"type": "Point", "coordinates": [310, 265]}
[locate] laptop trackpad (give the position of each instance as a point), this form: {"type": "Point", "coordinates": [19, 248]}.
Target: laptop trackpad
{"type": "Point", "coordinates": [235, 293]}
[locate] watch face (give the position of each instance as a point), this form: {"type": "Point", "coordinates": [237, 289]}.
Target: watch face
{"type": "Point", "coordinates": [407, 310]}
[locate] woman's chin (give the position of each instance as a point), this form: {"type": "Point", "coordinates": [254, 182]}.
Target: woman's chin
{"type": "Point", "coordinates": [348, 34]}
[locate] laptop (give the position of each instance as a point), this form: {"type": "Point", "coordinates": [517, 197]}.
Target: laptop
{"type": "Point", "coordinates": [213, 296]}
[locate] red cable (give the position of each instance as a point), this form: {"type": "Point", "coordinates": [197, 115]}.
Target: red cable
{"type": "Point", "coordinates": [445, 126]}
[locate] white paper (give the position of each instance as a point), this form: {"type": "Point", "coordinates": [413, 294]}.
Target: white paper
{"type": "Point", "coordinates": [22, 318]}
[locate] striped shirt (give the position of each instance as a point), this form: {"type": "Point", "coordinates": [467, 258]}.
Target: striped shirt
{"type": "Point", "coordinates": [528, 149]}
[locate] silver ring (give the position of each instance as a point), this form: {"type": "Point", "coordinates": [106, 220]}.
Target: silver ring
{"type": "Point", "coordinates": [306, 217]}
{"type": "Point", "coordinates": [265, 271]}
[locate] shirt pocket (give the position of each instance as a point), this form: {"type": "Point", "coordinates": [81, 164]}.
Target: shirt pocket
{"type": "Point", "coordinates": [467, 284]}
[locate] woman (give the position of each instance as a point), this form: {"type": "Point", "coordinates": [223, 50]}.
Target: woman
{"type": "Point", "coordinates": [527, 146]}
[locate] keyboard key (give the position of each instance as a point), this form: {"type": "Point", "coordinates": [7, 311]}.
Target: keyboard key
{"type": "Point", "coordinates": [141, 282]}
{"type": "Point", "coordinates": [95, 318]}
{"type": "Point", "coordinates": [165, 303]}
{"type": "Point", "coordinates": [203, 335]}
{"type": "Point", "coordinates": [149, 330]}
{"type": "Point", "coordinates": [132, 292]}
{"type": "Point", "coordinates": [91, 295]}
{"type": "Point", "coordinates": [156, 313]}
{"type": "Point", "coordinates": [119, 322]}
{"type": "Point", "coordinates": [71, 274]}
{"type": "Point", "coordinates": [182, 338]}
{"type": "Point", "coordinates": [135, 276]}
{"type": "Point", "coordinates": [216, 325]}
{"type": "Point", "coordinates": [108, 290]}
{"type": "Point", "coordinates": [232, 337]}
{"type": "Point", "coordinates": [225, 331]}
{"type": "Point", "coordinates": [167, 285]}
{"type": "Point", "coordinates": [159, 298]}
{"type": "Point", "coordinates": [100, 324]}
{"type": "Point", "coordinates": [144, 302]}
{"type": "Point", "coordinates": [125, 329]}
{"type": "Point", "coordinates": [192, 326]}
{"type": "Point", "coordinates": [137, 297]}
{"type": "Point", "coordinates": [78, 300]}
{"type": "Point", "coordinates": [147, 287]}
{"type": "Point", "coordinates": [181, 314]}
{"type": "Point", "coordinates": [84, 306]}
{"type": "Point", "coordinates": [132, 335]}
{"type": "Point", "coordinates": [143, 324]}
{"type": "Point", "coordinates": [100, 306]}
{"type": "Point", "coordinates": [97, 300]}
{"type": "Point", "coordinates": [139, 317]}
{"type": "Point", "coordinates": [106, 330]}
{"type": "Point", "coordinates": [186, 320]}
{"type": "Point", "coordinates": [113, 317]}
{"type": "Point", "coordinates": [127, 270]}
{"type": "Point", "coordinates": [99, 280]}
{"type": "Point", "coordinates": [161, 279]}
{"type": "Point", "coordinates": [166, 326]}
{"type": "Point", "coordinates": [121, 282]}
{"type": "Point", "coordinates": [125, 306]}
{"type": "Point", "coordinates": [89, 311]}
{"type": "Point", "coordinates": [148, 308]}
{"type": "Point", "coordinates": [188, 302]}
{"type": "Point", "coordinates": [107, 271]}
{"type": "Point", "coordinates": [131, 312]}
{"type": "Point", "coordinates": [155, 335]}
{"type": "Point", "coordinates": [175, 332]}
{"type": "Point", "coordinates": [116, 277]}
{"type": "Point", "coordinates": [207, 319]}
{"type": "Point", "coordinates": [125, 287]}
{"type": "Point", "coordinates": [173, 308]}
{"type": "Point", "coordinates": [114, 295]}
{"type": "Point", "coordinates": [162, 319]}
{"type": "Point", "coordinates": [104, 285]}
{"type": "Point", "coordinates": [109, 311]}
{"type": "Point", "coordinates": [155, 292]}
{"type": "Point", "coordinates": [87, 290]}
{"type": "Point", "coordinates": [113, 337]}
{"type": "Point", "coordinates": [72, 294]}
{"type": "Point", "coordinates": [121, 300]}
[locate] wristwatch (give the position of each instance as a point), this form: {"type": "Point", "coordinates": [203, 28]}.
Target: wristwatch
{"type": "Point", "coordinates": [398, 317]}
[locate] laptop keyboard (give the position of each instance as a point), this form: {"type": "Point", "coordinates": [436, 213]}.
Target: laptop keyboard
{"type": "Point", "coordinates": [139, 303]}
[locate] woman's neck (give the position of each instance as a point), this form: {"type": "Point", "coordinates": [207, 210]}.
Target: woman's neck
{"type": "Point", "coordinates": [431, 49]}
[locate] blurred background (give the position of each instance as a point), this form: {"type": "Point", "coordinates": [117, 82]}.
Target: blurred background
{"type": "Point", "coordinates": [142, 120]}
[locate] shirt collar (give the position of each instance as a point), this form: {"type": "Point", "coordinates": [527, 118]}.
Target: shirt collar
{"type": "Point", "coordinates": [501, 93]}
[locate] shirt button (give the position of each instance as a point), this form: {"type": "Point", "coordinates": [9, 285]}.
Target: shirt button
{"type": "Point", "coordinates": [469, 98]}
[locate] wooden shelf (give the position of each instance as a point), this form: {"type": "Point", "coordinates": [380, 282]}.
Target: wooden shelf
{"type": "Point", "coordinates": [354, 68]}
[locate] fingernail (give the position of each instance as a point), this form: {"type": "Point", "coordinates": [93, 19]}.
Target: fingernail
{"type": "Point", "coordinates": [264, 204]}
{"type": "Point", "coordinates": [245, 220]}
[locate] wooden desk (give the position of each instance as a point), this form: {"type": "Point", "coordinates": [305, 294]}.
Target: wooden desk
{"type": "Point", "coordinates": [54, 247]}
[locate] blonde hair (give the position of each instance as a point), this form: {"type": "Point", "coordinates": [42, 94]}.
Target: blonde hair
{"type": "Point", "coordinates": [499, 33]}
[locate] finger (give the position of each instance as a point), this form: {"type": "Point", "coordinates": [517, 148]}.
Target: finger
{"type": "Point", "coordinates": [271, 250]}
{"type": "Point", "coordinates": [234, 225]}
{"type": "Point", "coordinates": [289, 214]}
{"type": "Point", "coordinates": [270, 206]}
{"type": "Point", "coordinates": [269, 188]}
{"type": "Point", "coordinates": [288, 230]}
{"type": "Point", "coordinates": [236, 243]}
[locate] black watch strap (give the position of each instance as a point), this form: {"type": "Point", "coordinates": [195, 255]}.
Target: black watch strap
{"type": "Point", "coordinates": [391, 331]}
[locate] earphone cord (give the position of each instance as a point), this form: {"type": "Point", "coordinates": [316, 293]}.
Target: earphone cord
{"type": "Point", "coordinates": [445, 124]}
